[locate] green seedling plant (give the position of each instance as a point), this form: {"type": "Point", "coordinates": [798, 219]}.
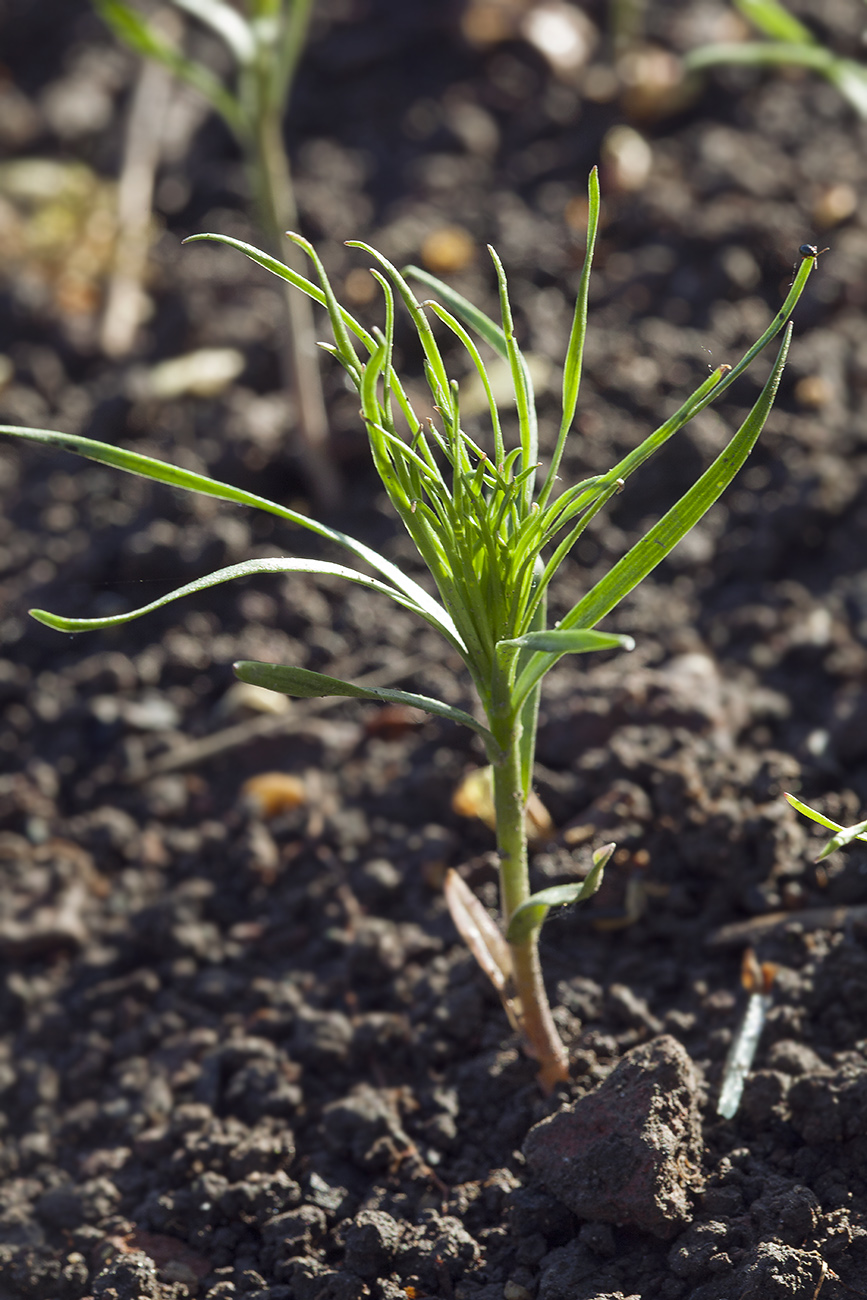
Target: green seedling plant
{"type": "Point", "coordinates": [843, 835]}
{"type": "Point", "coordinates": [265, 40]}
{"type": "Point", "coordinates": [789, 43]}
{"type": "Point", "coordinates": [492, 526]}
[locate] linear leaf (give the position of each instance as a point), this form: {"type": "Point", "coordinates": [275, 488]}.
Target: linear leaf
{"type": "Point", "coordinates": [522, 383]}
{"type": "Point", "coordinates": [646, 554]}
{"type": "Point", "coordinates": [774, 20]}
{"type": "Point", "coordinates": [531, 915]}
{"type": "Point", "coordinates": [813, 814]}
{"type": "Point", "coordinates": [850, 78]}
{"type": "Point", "coordinates": [569, 641]}
{"type": "Point", "coordinates": [303, 683]}
{"type": "Point", "coordinates": [133, 462]}
{"type": "Point", "coordinates": [246, 569]}
{"type": "Point", "coordinates": [760, 53]}
{"type": "Point", "coordinates": [283, 272]}
{"type": "Point", "coordinates": [467, 311]}
{"type": "Point", "coordinates": [845, 834]}
{"type": "Point", "coordinates": [575, 351]}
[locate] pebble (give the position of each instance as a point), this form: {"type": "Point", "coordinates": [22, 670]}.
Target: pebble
{"type": "Point", "coordinates": [628, 1153]}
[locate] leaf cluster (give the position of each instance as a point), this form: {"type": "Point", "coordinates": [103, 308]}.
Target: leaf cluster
{"type": "Point", "coordinates": [491, 542]}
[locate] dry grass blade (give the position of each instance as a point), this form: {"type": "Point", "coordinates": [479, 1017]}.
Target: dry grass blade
{"type": "Point", "coordinates": [144, 136]}
{"type": "Point", "coordinates": [485, 941]}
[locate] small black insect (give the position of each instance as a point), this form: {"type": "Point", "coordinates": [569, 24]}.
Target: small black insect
{"type": "Point", "coordinates": [811, 250]}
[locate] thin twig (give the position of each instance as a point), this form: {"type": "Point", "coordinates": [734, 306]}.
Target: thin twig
{"type": "Point", "coordinates": [740, 933]}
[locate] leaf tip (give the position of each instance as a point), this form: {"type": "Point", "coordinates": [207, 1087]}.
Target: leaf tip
{"type": "Point", "coordinates": [56, 621]}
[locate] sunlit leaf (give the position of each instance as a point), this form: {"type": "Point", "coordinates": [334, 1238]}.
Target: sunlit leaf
{"type": "Point", "coordinates": [304, 684]}
{"type": "Point", "coordinates": [845, 834]}
{"type": "Point", "coordinates": [569, 641]}
{"type": "Point", "coordinates": [246, 569]}
{"type": "Point", "coordinates": [531, 915]}
{"type": "Point", "coordinates": [133, 462]}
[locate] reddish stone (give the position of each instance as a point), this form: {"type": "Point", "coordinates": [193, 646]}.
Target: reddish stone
{"type": "Point", "coordinates": [629, 1152]}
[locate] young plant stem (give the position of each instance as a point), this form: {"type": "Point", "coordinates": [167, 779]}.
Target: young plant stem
{"type": "Point", "coordinates": [275, 200]}
{"type": "Point", "coordinates": [510, 801]}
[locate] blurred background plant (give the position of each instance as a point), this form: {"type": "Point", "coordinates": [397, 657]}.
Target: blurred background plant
{"type": "Point", "coordinates": [265, 44]}
{"type": "Point", "coordinates": [787, 43]}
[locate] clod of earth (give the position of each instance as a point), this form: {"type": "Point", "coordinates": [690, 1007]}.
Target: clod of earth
{"type": "Point", "coordinates": [630, 1152]}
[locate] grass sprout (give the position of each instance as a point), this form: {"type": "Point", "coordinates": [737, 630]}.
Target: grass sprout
{"type": "Point", "coordinates": [492, 532]}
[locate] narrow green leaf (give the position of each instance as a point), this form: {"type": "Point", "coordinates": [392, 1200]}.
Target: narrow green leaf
{"type": "Point", "coordinates": [575, 351]}
{"type": "Point", "coordinates": [844, 837]}
{"type": "Point", "coordinates": [467, 311]}
{"type": "Point", "coordinates": [335, 312]}
{"type": "Point", "coordinates": [455, 326]}
{"type": "Point", "coordinates": [529, 918]}
{"type": "Point", "coordinates": [522, 382]}
{"type": "Point", "coordinates": [713, 387]}
{"type": "Point", "coordinates": [773, 20]}
{"type": "Point", "coordinates": [283, 272]}
{"type": "Point", "coordinates": [162, 472]}
{"type": "Point", "coordinates": [246, 569]}
{"type": "Point", "coordinates": [850, 78]}
{"type": "Point", "coordinates": [302, 683]}
{"type": "Point", "coordinates": [682, 517]}
{"type": "Point", "coordinates": [413, 306]}
{"type": "Point", "coordinates": [569, 641]}
{"type": "Point", "coordinates": [845, 834]}
{"type": "Point", "coordinates": [759, 53]}
{"type": "Point", "coordinates": [813, 814]}
{"type": "Point", "coordinates": [646, 554]}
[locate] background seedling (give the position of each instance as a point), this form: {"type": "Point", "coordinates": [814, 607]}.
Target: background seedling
{"type": "Point", "coordinates": [492, 538]}
{"type": "Point", "coordinates": [265, 44]}
{"type": "Point", "coordinates": [788, 43]}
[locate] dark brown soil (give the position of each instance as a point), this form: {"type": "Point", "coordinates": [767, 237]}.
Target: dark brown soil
{"type": "Point", "coordinates": [243, 1051]}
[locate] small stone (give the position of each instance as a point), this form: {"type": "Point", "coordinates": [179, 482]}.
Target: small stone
{"type": "Point", "coordinates": [792, 1057]}
{"type": "Point", "coordinates": [371, 1243]}
{"type": "Point", "coordinates": [628, 1153]}
{"type": "Point", "coordinates": [514, 1291]}
{"type": "Point", "coordinates": [775, 1271]}
{"type": "Point", "coordinates": [447, 250]}
{"type": "Point", "coordinates": [130, 1276]}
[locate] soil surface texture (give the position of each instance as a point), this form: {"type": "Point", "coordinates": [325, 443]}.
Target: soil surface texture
{"type": "Point", "coordinates": [242, 1050]}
